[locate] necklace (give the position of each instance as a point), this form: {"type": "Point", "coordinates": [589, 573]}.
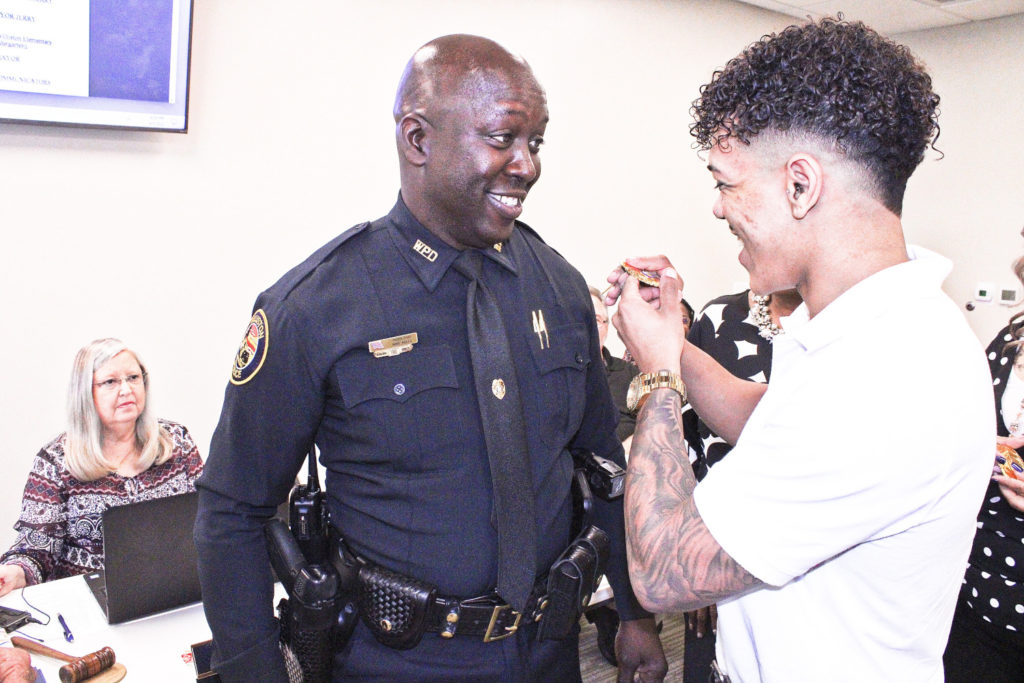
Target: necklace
{"type": "Point", "coordinates": [1017, 423]}
{"type": "Point", "coordinates": [763, 318]}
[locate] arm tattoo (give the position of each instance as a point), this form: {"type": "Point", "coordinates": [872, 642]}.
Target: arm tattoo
{"type": "Point", "coordinates": [674, 561]}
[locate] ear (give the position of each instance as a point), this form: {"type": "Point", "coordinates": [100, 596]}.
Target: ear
{"type": "Point", "coordinates": [804, 183]}
{"type": "Point", "coordinates": [413, 141]}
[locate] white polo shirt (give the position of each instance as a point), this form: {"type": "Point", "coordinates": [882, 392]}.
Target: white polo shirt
{"type": "Point", "coordinates": [854, 488]}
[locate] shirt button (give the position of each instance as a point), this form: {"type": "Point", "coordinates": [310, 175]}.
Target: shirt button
{"type": "Point", "coordinates": [399, 389]}
{"type": "Point", "coordinates": [579, 358]}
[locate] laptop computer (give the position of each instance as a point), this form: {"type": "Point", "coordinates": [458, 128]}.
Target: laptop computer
{"type": "Point", "coordinates": [149, 558]}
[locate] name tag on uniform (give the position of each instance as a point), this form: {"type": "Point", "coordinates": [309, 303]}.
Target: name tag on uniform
{"type": "Point", "coordinates": [392, 346]}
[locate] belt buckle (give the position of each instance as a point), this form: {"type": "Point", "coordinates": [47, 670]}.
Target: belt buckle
{"type": "Point", "coordinates": [498, 609]}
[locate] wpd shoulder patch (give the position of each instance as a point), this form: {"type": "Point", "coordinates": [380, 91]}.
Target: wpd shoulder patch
{"type": "Point", "coordinates": [253, 349]}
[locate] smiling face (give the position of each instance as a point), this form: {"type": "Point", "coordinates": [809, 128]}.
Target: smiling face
{"type": "Point", "coordinates": [483, 157]}
{"type": "Point", "coordinates": [751, 199]}
{"type": "Point", "coordinates": [120, 403]}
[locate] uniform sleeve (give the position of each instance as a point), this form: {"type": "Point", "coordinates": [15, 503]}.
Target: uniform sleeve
{"type": "Point", "coordinates": [597, 434]}
{"type": "Point", "coordinates": [41, 520]}
{"type": "Point", "coordinates": [272, 408]}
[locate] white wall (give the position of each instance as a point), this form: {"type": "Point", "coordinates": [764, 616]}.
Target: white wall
{"type": "Point", "coordinates": [165, 240]}
{"type": "Point", "coordinates": [970, 204]}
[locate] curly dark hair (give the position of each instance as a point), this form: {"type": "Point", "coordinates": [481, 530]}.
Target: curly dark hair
{"type": "Point", "coordinates": [837, 80]}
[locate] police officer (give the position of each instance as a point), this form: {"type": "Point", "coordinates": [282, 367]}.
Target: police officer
{"type": "Point", "coordinates": [363, 350]}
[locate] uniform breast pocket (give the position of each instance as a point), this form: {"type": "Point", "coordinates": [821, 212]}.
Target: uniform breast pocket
{"type": "Point", "coordinates": [562, 374]}
{"type": "Point", "coordinates": [397, 408]}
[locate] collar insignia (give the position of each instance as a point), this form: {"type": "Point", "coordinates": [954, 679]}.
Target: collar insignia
{"type": "Point", "coordinates": [540, 328]}
{"type": "Point", "coordinates": [424, 251]}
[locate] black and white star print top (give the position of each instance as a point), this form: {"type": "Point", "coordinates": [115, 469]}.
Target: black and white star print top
{"type": "Point", "coordinates": [726, 332]}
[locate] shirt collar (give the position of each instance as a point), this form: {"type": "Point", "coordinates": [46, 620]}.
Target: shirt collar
{"type": "Point", "coordinates": [871, 298]}
{"type": "Point", "coordinates": [429, 256]}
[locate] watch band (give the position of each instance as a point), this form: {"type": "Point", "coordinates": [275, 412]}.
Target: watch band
{"type": "Point", "coordinates": [646, 382]}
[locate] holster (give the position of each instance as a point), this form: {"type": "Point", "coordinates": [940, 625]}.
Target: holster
{"type": "Point", "coordinates": [393, 606]}
{"type": "Point", "coordinates": [572, 579]}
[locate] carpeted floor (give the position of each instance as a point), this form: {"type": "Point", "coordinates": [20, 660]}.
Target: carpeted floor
{"type": "Point", "coordinates": [596, 670]}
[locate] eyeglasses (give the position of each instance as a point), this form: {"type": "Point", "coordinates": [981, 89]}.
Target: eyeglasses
{"type": "Point", "coordinates": [114, 383]}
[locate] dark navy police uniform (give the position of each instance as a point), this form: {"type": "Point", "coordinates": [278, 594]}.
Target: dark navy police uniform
{"type": "Point", "coordinates": [408, 482]}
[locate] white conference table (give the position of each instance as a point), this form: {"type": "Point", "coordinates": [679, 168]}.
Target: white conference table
{"type": "Point", "coordinates": [154, 648]}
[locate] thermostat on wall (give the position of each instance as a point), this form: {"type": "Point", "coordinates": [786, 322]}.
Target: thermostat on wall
{"type": "Point", "coordinates": [1009, 296]}
{"type": "Point", "coordinates": [984, 291]}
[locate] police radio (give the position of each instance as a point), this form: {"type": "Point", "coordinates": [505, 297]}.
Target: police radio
{"type": "Point", "coordinates": [318, 616]}
{"type": "Point", "coordinates": [307, 515]}
{"type": "Point", "coordinates": [310, 614]}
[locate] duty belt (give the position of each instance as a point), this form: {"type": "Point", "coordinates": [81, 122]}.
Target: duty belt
{"type": "Point", "coordinates": [486, 616]}
{"type": "Point", "coordinates": [398, 609]}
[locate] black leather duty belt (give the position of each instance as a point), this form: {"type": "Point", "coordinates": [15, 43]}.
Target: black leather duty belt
{"type": "Point", "coordinates": [486, 616]}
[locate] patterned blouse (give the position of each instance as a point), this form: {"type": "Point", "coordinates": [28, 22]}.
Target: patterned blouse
{"type": "Point", "coordinates": [726, 331]}
{"type": "Point", "coordinates": [59, 532]}
{"type": "Point", "coordinates": [994, 583]}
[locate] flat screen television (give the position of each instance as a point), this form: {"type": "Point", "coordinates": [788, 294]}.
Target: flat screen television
{"type": "Point", "coordinates": [102, 63]}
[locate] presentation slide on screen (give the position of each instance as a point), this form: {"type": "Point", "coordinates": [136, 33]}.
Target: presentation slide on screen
{"type": "Point", "coordinates": [89, 48]}
{"type": "Point", "coordinates": [44, 46]}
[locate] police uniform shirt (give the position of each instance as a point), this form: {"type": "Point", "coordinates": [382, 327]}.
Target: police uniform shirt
{"type": "Point", "coordinates": [399, 431]}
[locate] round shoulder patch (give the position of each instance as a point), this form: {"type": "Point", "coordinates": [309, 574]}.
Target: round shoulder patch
{"type": "Point", "coordinates": [253, 349]}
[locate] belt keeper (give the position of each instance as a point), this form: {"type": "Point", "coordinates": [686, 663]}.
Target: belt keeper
{"type": "Point", "coordinates": [542, 604]}
{"type": "Point", "coordinates": [451, 620]}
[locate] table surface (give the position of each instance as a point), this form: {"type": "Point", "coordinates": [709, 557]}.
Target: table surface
{"type": "Point", "coordinates": [154, 648]}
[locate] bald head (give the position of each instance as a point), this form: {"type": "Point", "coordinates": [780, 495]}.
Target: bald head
{"type": "Point", "coordinates": [442, 67]}
{"type": "Point", "coordinates": [469, 123]}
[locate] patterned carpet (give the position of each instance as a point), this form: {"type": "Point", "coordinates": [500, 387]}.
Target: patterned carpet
{"type": "Point", "coordinates": [596, 670]}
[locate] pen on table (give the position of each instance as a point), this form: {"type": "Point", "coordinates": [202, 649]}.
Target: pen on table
{"type": "Point", "coordinates": [67, 632]}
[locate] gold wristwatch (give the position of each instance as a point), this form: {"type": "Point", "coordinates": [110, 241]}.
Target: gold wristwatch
{"type": "Point", "coordinates": [646, 382]}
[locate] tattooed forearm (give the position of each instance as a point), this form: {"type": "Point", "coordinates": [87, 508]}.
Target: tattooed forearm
{"type": "Point", "coordinates": [675, 563]}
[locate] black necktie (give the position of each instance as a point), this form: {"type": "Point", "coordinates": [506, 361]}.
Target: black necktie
{"type": "Point", "coordinates": [497, 392]}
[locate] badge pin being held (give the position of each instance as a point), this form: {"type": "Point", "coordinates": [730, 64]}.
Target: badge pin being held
{"type": "Point", "coordinates": [646, 277]}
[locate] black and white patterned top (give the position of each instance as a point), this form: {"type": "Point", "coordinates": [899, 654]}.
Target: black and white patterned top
{"type": "Point", "coordinates": [994, 583]}
{"type": "Point", "coordinates": [726, 331]}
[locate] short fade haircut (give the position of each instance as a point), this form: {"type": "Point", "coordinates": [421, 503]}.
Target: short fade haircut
{"type": "Point", "coordinates": [866, 96]}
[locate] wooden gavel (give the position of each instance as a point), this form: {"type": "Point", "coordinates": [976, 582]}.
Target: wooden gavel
{"type": "Point", "coordinates": [77, 669]}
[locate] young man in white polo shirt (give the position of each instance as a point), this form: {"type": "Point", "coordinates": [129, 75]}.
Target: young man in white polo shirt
{"type": "Point", "coordinates": [834, 535]}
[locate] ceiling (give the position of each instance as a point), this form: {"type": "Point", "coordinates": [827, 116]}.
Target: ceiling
{"type": "Point", "coordinates": [898, 16]}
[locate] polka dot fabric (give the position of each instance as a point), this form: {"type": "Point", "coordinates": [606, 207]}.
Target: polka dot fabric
{"type": "Point", "coordinates": [994, 582]}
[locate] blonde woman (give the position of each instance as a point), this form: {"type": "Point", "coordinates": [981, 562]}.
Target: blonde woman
{"type": "Point", "coordinates": [114, 452]}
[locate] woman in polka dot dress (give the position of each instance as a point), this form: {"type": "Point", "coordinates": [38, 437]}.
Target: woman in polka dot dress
{"type": "Point", "coordinates": [987, 638]}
